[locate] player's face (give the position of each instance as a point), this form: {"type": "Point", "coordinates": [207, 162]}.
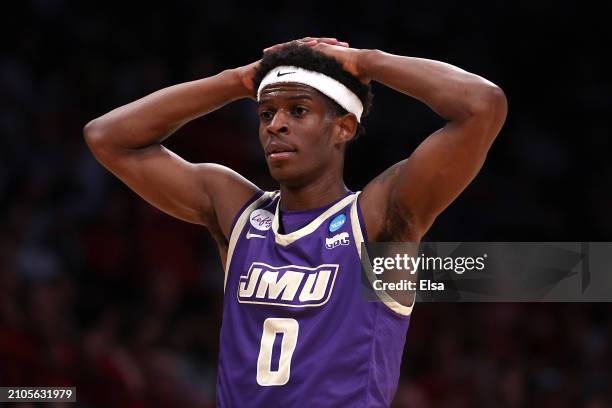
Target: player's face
{"type": "Point", "coordinates": [296, 132]}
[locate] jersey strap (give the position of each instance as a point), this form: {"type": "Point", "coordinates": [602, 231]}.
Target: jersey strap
{"type": "Point", "coordinates": [382, 295]}
{"type": "Point", "coordinates": [239, 225]}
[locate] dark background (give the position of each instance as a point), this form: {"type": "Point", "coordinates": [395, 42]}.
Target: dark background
{"type": "Point", "coordinates": [102, 291]}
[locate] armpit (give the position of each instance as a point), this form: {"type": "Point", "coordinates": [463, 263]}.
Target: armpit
{"type": "Point", "coordinates": [398, 225]}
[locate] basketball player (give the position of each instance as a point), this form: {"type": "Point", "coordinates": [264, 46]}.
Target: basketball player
{"type": "Point", "coordinates": [296, 330]}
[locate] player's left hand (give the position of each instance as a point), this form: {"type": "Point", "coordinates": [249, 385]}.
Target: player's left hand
{"type": "Point", "coordinates": [350, 58]}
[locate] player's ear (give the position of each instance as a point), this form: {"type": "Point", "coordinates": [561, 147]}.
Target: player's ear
{"type": "Point", "coordinates": [347, 126]}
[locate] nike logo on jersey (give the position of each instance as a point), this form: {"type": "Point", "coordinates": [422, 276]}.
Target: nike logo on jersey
{"type": "Point", "coordinates": [250, 235]}
{"type": "Point", "coordinates": [337, 240]}
{"type": "Point", "coordinates": [292, 285]}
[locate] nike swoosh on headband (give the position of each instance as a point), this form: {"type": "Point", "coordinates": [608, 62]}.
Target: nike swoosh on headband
{"type": "Point", "coordinates": [317, 80]}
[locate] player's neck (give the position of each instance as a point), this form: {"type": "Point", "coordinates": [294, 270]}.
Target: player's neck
{"type": "Point", "coordinates": [314, 195]}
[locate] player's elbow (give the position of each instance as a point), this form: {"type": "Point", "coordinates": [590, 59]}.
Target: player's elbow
{"type": "Point", "coordinates": [489, 101]}
{"type": "Point", "coordinates": [488, 113]}
{"type": "Point", "coordinates": [92, 133]}
{"type": "Point", "coordinates": [95, 136]}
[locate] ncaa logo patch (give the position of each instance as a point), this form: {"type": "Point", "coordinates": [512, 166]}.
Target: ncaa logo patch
{"type": "Point", "coordinates": [261, 219]}
{"type": "Point", "coordinates": [337, 222]}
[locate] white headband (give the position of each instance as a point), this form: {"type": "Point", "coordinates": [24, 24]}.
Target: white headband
{"type": "Point", "coordinates": [321, 82]}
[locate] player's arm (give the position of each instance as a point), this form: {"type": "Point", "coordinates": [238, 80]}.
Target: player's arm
{"type": "Point", "coordinates": [413, 192]}
{"type": "Point", "coordinates": [127, 141]}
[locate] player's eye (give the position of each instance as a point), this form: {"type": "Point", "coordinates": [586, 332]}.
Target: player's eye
{"type": "Point", "coordinates": [266, 115]}
{"type": "Point", "coordinates": [299, 110]}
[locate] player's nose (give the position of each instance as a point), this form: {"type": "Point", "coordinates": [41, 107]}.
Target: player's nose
{"type": "Point", "coordinates": [279, 124]}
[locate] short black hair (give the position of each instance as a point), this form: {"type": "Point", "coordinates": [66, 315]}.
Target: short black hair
{"type": "Point", "coordinates": [305, 57]}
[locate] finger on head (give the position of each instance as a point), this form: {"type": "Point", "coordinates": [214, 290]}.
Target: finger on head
{"type": "Point", "coordinates": [321, 46]}
{"type": "Point", "coordinates": [308, 43]}
{"type": "Point", "coordinates": [276, 47]}
{"type": "Point", "coordinates": [298, 42]}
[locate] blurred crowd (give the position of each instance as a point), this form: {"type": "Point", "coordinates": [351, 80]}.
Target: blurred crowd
{"type": "Point", "coordinates": [100, 291]}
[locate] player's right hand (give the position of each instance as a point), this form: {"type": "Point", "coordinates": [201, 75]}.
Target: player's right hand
{"type": "Point", "coordinates": [246, 74]}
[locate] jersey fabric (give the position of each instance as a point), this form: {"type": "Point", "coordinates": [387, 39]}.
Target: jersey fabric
{"type": "Point", "coordinates": [297, 330]}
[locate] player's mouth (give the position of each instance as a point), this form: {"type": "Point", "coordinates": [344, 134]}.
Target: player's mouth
{"type": "Point", "coordinates": [280, 151]}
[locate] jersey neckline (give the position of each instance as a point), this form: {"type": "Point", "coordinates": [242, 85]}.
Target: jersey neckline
{"type": "Point", "coordinates": [313, 210]}
{"type": "Point", "coordinates": [286, 239]}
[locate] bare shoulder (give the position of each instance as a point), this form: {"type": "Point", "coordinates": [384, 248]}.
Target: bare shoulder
{"type": "Point", "coordinates": [227, 192]}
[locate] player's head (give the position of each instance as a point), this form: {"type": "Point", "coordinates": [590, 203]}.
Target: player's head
{"type": "Point", "coordinates": [309, 108]}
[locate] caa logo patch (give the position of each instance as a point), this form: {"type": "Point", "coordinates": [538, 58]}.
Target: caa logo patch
{"type": "Point", "coordinates": [337, 240]}
{"type": "Point", "coordinates": [337, 223]}
{"type": "Point", "coordinates": [261, 219]}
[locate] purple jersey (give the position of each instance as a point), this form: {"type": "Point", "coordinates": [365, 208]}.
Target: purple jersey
{"type": "Point", "coordinates": [297, 330]}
